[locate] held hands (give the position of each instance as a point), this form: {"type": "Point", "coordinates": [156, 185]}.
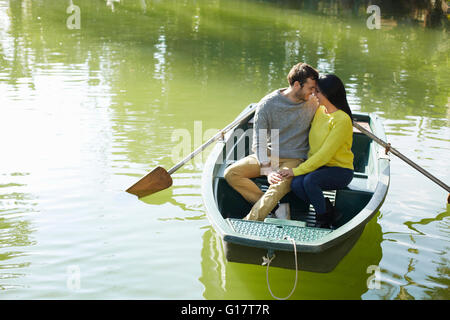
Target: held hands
{"type": "Point", "coordinates": [286, 173]}
{"type": "Point", "coordinates": [277, 176]}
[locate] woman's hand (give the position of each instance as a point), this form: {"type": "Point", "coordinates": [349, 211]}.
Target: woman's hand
{"type": "Point", "coordinates": [286, 173]}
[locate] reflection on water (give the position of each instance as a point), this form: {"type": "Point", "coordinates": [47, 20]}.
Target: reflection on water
{"type": "Point", "coordinates": [436, 285]}
{"type": "Point", "coordinates": [15, 228]}
{"type": "Point", "coordinates": [182, 194]}
{"type": "Point", "coordinates": [222, 279]}
{"type": "Point", "coordinates": [172, 50]}
{"type": "Point", "coordinates": [85, 112]}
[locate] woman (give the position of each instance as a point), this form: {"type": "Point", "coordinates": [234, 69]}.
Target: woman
{"type": "Point", "coordinates": [330, 160]}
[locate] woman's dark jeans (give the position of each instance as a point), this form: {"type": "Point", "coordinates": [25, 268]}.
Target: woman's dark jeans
{"type": "Point", "coordinates": [309, 187]}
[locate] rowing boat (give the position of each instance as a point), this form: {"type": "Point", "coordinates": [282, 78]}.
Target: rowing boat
{"type": "Point", "coordinates": [317, 249]}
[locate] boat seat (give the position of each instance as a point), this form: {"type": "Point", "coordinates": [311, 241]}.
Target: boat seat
{"type": "Point", "coordinates": [358, 182]}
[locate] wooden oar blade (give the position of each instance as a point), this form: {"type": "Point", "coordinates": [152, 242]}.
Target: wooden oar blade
{"type": "Point", "coordinates": [156, 180]}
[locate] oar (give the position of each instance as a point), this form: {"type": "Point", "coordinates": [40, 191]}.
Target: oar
{"type": "Point", "coordinates": [159, 179]}
{"type": "Point", "coordinates": [388, 148]}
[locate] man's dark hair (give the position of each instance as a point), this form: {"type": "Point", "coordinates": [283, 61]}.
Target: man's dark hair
{"type": "Point", "coordinates": [301, 72]}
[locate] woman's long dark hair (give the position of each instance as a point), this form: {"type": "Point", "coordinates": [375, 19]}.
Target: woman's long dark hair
{"type": "Point", "coordinates": [333, 88]}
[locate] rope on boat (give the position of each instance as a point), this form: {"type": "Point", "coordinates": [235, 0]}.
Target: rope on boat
{"type": "Point", "coordinates": [267, 260]}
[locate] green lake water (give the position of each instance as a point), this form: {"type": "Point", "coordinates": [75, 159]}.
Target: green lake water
{"type": "Point", "coordinates": [84, 113]}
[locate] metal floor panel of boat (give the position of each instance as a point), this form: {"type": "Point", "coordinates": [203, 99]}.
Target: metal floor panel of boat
{"type": "Point", "coordinates": [273, 231]}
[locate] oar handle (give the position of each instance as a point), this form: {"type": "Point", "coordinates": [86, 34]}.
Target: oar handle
{"type": "Point", "coordinates": [401, 156]}
{"type": "Point", "coordinates": [218, 135]}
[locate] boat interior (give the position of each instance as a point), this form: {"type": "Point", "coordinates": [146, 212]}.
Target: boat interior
{"type": "Point", "coordinates": [349, 201]}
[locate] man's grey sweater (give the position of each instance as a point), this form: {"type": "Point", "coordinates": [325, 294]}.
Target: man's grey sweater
{"type": "Point", "coordinates": [276, 115]}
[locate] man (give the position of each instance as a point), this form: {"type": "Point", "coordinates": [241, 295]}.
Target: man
{"type": "Point", "coordinates": [287, 112]}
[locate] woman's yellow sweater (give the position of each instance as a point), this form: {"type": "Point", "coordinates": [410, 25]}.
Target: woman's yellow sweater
{"type": "Point", "coordinates": [330, 142]}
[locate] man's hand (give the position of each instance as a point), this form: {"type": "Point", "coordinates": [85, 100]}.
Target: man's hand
{"type": "Point", "coordinates": [312, 101]}
{"type": "Point", "coordinates": [274, 177]}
